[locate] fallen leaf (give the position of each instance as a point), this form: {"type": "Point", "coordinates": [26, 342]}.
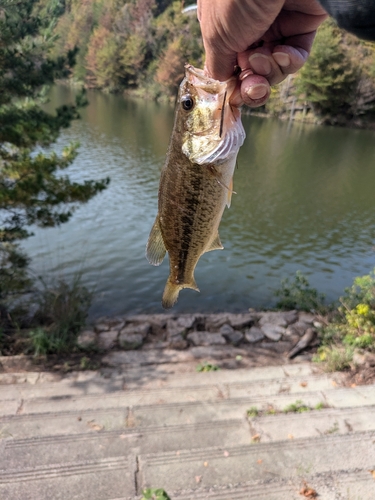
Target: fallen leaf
{"type": "Point", "coordinates": [290, 436]}
{"type": "Point", "coordinates": [334, 383]}
{"type": "Point", "coordinates": [256, 438]}
{"type": "Point", "coordinates": [205, 464]}
{"type": "Point", "coordinates": [303, 384]}
{"type": "Point", "coordinates": [372, 472]}
{"type": "Point", "coordinates": [353, 385]}
{"type": "Point", "coordinates": [198, 479]}
{"type": "Point", "coordinates": [259, 461]}
{"type": "Point", "coordinates": [308, 492]}
{"type": "Point", "coordinates": [94, 426]}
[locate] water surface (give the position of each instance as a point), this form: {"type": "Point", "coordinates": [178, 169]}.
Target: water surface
{"type": "Point", "coordinates": [305, 201]}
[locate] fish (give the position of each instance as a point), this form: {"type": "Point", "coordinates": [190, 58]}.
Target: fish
{"type": "Point", "coordinates": [196, 181]}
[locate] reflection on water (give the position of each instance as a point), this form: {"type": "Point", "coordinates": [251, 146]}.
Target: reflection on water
{"type": "Point", "coordinates": [305, 201]}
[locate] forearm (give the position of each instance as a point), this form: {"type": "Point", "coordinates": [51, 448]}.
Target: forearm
{"type": "Point", "coordinates": [356, 16]}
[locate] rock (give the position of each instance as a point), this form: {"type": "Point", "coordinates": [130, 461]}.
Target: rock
{"type": "Point", "coordinates": [290, 331]}
{"type": "Point", "coordinates": [107, 340]}
{"type": "Point", "coordinates": [233, 336]}
{"type": "Point", "coordinates": [205, 338]}
{"type": "Point", "coordinates": [318, 324]}
{"type": "Point", "coordinates": [130, 341]}
{"type": "Point", "coordinates": [86, 339]}
{"type": "Point", "coordinates": [273, 331]}
{"type": "Point", "coordinates": [159, 320]}
{"type": "Point", "coordinates": [174, 328]}
{"type": "Point", "coordinates": [304, 342]}
{"type": "Point", "coordinates": [186, 321]}
{"type": "Point", "coordinates": [177, 342]}
{"type": "Point", "coordinates": [363, 358]}
{"type": "Point", "coordinates": [254, 334]}
{"type": "Point", "coordinates": [158, 344]}
{"type": "Point", "coordinates": [101, 327]}
{"type": "Point", "coordinates": [142, 329]}
{"type": "Point", "coordinates": [306, 317]}
{"type": "Point", "coordinates": [290, 316]}
{"type": "Point", "coordinates": [239, 321]}
{"type": "Point", "coordinates": [273, 318]}
{"type": "Point", "coordinates": [300, 327]}
{"type": "Point", "coordinates": [215, 321]}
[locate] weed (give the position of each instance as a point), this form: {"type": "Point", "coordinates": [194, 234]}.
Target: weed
{"type": "Point", "coordinates": [84, 363]}
{"type": "Point", "coordinates": [155, 494]}
{"type": "Point", "coordinates": [41, 342]}
{"type": "Point", "coordinates": [319, 406]}
{"type": "Point", "coordinates": [297, 407]}
{"type": "Point", "coordinates": [270, 411]}
{"type": "Point", "coordinates": [299, 295]}
{"type": "Point", "coordinates": [60, 316]}
{"type": "Point", "coordinates": [335, 357]}
{"type": "Point", "coordinates": [333, 429]}
{"type": "Point", "coordinates": [207, 367]}
{"type": "Point", "coordinates": [252, 412]}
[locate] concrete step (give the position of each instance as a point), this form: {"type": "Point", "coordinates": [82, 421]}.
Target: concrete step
{"type": "Point", "coordinates": [37, 385]}
{"type": "Point", "coordinates": [109, 412]}
{"type": "Point", "coordinates": [230, 465]}
{"type": "Point", "coordinates": [220, 409]}
{"type": "Point", "coordinates": [34, 403]}
{"type": "Point", "coordinates": [151, 376]}
{"type": "Point", "coordinates": [342, 485]}
{"type": "Point", "coordinates": [313, 423]}
{"type": "Point", "coordinates": [105, 479]}
{"type": "Point", "coordinates": [36, 452]}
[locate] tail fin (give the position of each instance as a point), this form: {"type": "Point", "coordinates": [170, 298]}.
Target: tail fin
{"type": "Point", "coordinates": [172, 290]}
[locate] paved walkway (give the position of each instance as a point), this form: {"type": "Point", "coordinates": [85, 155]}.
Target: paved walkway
{"type": "Point", "coordinates": [274, 433]}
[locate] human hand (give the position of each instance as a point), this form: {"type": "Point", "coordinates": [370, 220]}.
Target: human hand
{"type": "Point", "coordinates": [268, 40]}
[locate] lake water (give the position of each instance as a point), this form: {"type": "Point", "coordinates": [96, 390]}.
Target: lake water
{"type": "Point", "coordinates": [305, 201]}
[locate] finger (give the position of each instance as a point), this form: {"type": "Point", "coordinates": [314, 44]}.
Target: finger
{"type": "Point", "coordinates": [261, 62]}
{"type": "Point", "coordinates": [253, 90]}
{"type": "Point", "coordinates": [275, 62]}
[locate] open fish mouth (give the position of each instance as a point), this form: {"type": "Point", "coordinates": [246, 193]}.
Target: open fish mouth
{"type": "Point", "coordinates": [215, 143]}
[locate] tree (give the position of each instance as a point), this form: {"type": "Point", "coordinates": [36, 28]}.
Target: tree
{"type": "Point", "coordinates": [32, 187]}
{"type": "Point", "coordinates": [329, 79]}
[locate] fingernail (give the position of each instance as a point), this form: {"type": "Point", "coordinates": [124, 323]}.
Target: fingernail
{"type": "Point", "coordinates": [282, 59]}
{"type": "Point", "coordinates": [257, 91]}
{"type": "Point", "coordinates": [260, 64]}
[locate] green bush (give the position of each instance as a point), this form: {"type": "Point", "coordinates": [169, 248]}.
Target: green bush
{"type": "Point", "coordinates": [60, 317]}
{"type": "Point", "coordinates": [298, 294]}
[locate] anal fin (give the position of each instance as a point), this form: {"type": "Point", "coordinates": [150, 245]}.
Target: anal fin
{"type": "Point", "coordinates": [155, 248]}
{"type": "Point", "coordinates": [215, 244]}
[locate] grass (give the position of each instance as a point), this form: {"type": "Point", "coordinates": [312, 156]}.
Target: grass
{"type": "Point", "coordinates": [296, 407]}
{"type": "Point", "coordinates": [61, 314]}
{"type": "Point", "coordinates": [155, 494]}
{"type": "Point", "coordinates": [207, 367]}
{"type": "Point", "coordinates": [252, 412]}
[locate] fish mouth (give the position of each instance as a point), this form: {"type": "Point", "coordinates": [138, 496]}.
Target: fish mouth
{"type": "Point", "coordinates": [230, 133]}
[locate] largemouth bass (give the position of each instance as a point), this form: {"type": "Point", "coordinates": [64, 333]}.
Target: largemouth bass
{"type": "Point", "coordinates": [196, 180]}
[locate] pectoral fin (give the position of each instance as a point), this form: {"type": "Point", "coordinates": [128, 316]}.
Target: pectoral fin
{"type": "Point", "coordinates": [230, 192]}
{"type": "Point", "coordinates": [155, 248]}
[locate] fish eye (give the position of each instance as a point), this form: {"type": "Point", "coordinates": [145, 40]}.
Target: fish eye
{"type": "Point", "coordinates": [187, 102]}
